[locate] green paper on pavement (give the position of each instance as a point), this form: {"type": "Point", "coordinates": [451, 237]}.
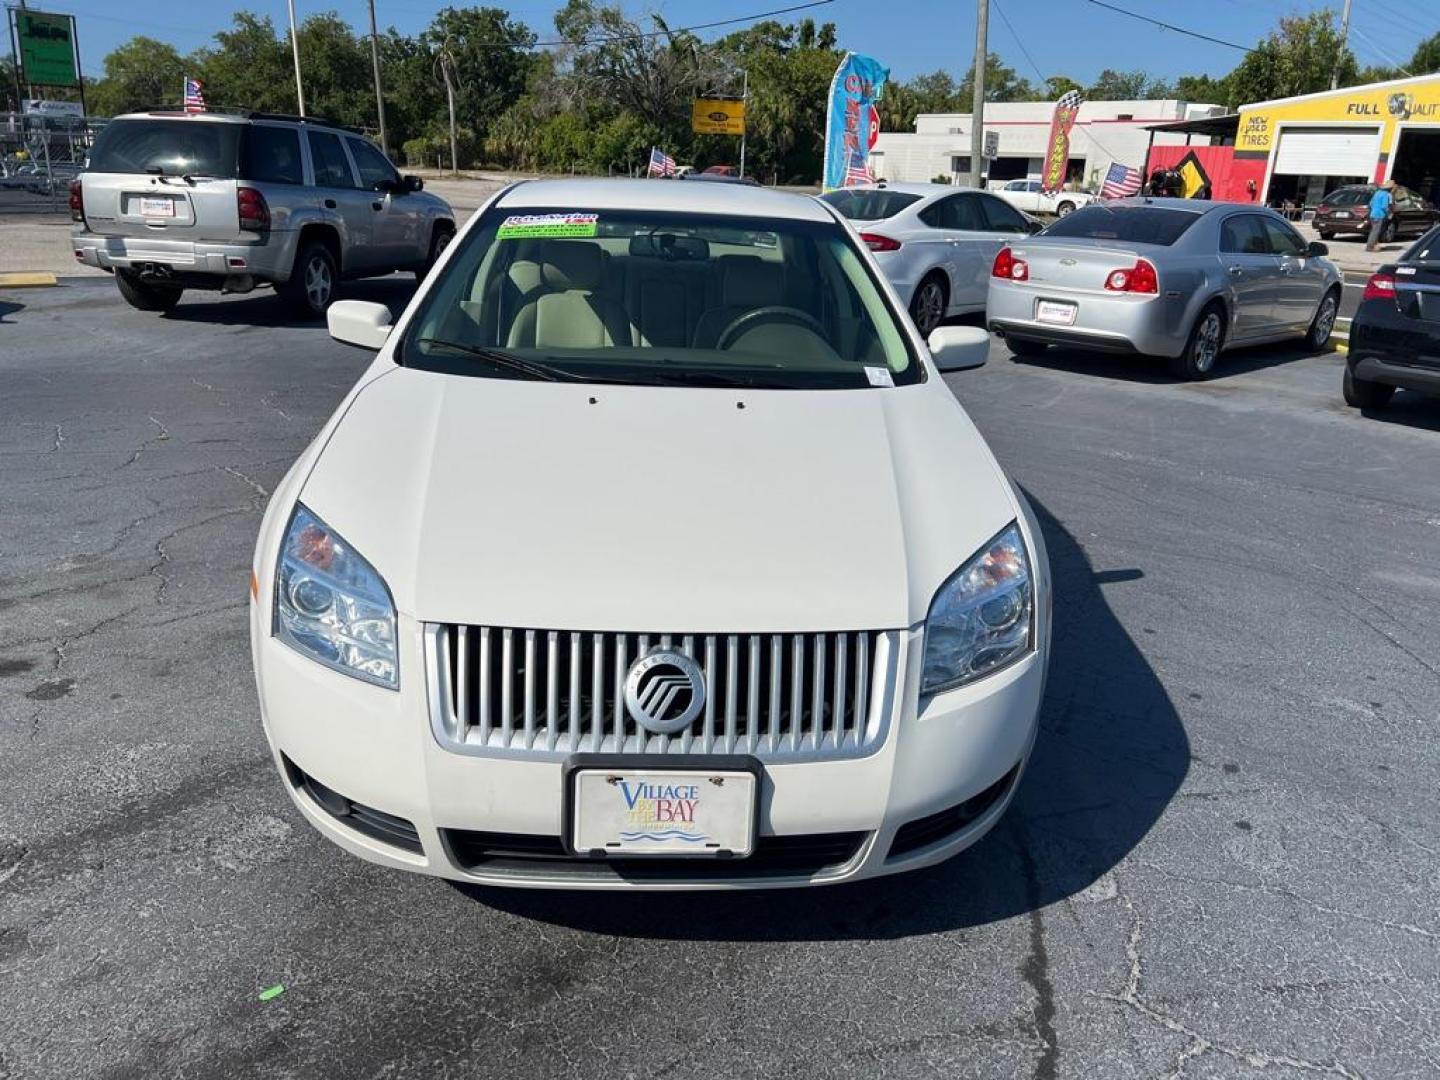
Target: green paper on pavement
{"type": "Point", "coordinates": [272, 993]}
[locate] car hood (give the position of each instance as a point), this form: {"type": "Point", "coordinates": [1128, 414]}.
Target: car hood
{"type": "Point", "coordinates": [658, 509]}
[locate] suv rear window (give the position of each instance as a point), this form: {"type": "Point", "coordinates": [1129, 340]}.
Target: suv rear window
{"type": "Point", "coordinates": [271, 155]}
{"type": "Point", "coordinates": [172, 147]}
{"type": "Point", "coordinates": [1129, 224]}
{"type": "Point", "coordinates": [869, 204]}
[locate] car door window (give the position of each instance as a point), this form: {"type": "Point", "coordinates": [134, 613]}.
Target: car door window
{"type": "Point", "coordinates": [376, 172]}
{"type": "Point", "coordinates": [1283, 239]}
{"type": "Point", "coordinates": [1000, 216]}
{"type": "Point", "coordinates": [1243, 235]}
{"type": "Point", "coordinates": [271, 155]}
{"type": "Point", "coordinates": [332, 169]}
{"type": "Point", "coordinates": [961, 212]}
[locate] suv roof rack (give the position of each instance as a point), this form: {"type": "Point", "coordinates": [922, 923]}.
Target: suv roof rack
{"type": "Point", "coordinates": [248, 114]}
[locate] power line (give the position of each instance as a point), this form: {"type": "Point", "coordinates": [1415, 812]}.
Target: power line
{"type": "Point", "coordinates": [1171, 26]}
{"type": "Point", "coordinates": [610, 38]}
{"type": "Point", "coordinates": [1016, 38]}
{"type": "Point", "coordinates": [1379, 51]}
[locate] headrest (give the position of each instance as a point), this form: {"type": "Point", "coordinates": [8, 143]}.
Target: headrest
{"type": "Point", "coordinates": [749, 281]}
{"type": "Point", "coordinates": [571, 264]}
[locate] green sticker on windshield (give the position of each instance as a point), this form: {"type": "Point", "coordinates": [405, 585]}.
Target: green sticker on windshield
{"type": "Point", "coordinates": [547, 226]}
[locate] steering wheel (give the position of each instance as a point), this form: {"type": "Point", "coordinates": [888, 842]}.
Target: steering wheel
{"type": "Point", "coordinates": [773, 313]}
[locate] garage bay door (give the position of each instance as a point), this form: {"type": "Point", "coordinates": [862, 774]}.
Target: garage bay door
{"type": "Point", "coordinates": [1334, 151]}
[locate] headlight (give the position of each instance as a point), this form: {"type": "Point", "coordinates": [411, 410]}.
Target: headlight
{"type": "Point", "coordinates": [331, 605]}
{"type": "Point", "coordinates": [982, 618]}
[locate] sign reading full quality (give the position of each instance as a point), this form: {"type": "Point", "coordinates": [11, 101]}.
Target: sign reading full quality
{"type": "Point", "coordinates": [47, 48]}
{"type": "Point", "coordinates": [1412, 101]}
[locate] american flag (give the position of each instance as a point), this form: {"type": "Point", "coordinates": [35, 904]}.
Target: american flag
{"type": "Point", "coordinates": [661, 163]}
{"type": "Point", "coordinates": [1120, 181]}
{"type": "Point", "coordinates": [194, 95]}
{"type": "Point", "coordinates": [856, 172]}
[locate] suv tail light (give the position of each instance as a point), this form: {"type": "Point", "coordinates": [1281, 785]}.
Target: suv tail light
{"type": "Point", "coordinates": [877, 242]}
{"type": "Point", "coordinates": [1010, 268]}
{"type": "Point", "coordinates": [1140, 278]}
{"type": "Point", "coordinates": [254, 211]}
{"type": "Point", "coordinates": [77, 200]}
{"type": "Point", "coordinates": [1379, 287]}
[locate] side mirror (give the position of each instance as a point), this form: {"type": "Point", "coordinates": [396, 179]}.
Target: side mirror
{"type": "Point", "coordinates": [1316, 249]}
{"type": "Point", "coordinates": [412, 183]}
{"type": "Point", "coordinates": [958, 348]}
{"type": "Point", "coordinates": [359, 322]}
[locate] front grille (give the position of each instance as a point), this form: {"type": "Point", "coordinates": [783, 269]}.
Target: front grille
{"type": "Point", "coordinates": [547, 693]}
{"type": "Point", "coordinates": [804, 855]}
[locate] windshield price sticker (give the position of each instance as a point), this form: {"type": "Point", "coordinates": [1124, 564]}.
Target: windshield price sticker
{"type": "Point", "coordinates": [547, 226]}
{"type": "Point", "coordinates": [879, 376]}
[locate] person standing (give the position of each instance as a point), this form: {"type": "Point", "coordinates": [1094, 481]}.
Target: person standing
{"type": "Point", "coordinates": [1380, 204]}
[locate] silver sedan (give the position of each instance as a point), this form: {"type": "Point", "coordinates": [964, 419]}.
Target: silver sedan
{"type": "Point", "coordinates": [1176, 278]}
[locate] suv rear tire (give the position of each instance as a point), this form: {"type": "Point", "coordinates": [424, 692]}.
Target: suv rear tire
{"type": "Point", "coordinates": [1363, 394]}
{"type": "Point", "coordinates": [145, 296]}
{"type": "Point", "coordinates": [311, 286]}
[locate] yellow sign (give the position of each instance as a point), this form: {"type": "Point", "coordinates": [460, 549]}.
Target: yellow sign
{"type": "Point", "coordinates": [1382, 104]}
{"type": "Point", "coordinates": [718, 116]}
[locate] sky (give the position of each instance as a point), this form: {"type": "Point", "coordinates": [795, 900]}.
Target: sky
{"type": "Point", "coordinates": [1070, 37]}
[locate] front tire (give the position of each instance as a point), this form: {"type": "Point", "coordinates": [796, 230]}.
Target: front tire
{"type": "Point", "coordinates": [927, 306]}
{"type": "Point", "coordinates": [1318, 336]}
{"type": "Point", "coordinates": [144, 296]}
{"type": "Point", "coordinates": [1365, 395]}
{"type": "Point", "coordinates": [311, 287]}
{"type": "Point", "coordinates": [439, 241]}
{"type": "Point", "coordinates": [1202, 348]}
{"type": "Point", "coordinates": [1064, 208]}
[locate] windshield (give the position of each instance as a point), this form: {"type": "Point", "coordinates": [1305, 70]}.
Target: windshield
{"type": "Point", "coordinates": [171, 147]}
{"type": "Point", "coordinates": [1129, 224]}
{"type": "Point", "coordinates": [869, 204]}
{"type": "Point", "coordinates": [1348, 196]}
{"type": "Point", "coordinates": [659, 299]}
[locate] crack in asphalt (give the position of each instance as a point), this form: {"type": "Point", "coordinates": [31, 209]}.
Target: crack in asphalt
{"type": "Point", "coordinates": [163, 436]}
{"type": "Point", "coordinates": [1200, 1044]}
{"type": "Point", "coordinates": [1035, 969]}
{"type": "Point", "coordinates": [59, 439]}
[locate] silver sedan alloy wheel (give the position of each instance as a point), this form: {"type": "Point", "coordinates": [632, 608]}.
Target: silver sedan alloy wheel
{"type": "Point", "coordinates": [1207, 341]}
{"type": "Point", "coordinates": [929, 307]}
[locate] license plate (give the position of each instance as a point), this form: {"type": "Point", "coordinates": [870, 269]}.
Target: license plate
{"type": "Point", "coordinates": [1053, 311]}
{"type": "Point", "coordinates": [156, 206]}
{"type": "Point", "coordinates": [671, 812]}
{"type": "Point", "coordinates": [1342, 213]}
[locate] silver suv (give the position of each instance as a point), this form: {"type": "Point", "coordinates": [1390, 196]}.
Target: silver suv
{"type": "Point", "coordinates": [172, 200]}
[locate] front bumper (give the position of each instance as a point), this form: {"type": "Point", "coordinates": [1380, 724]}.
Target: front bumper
{"type": "Point", "coordinates": [268, 261]}
{"type": "Point", "coordinates": [948, 768]}
{"type": "Point", "coordinates": [1150, 326]}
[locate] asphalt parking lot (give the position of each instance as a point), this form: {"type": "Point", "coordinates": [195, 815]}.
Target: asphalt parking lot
{"type": "Point", "coordinates": [1223, 862]}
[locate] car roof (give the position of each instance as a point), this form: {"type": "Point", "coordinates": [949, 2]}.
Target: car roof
{"type": "Point", "coordinates": [744, 200]}
{"type": "Point", "coordinates": [924, 190]}
{"type": "Point", "coordinates": [1193, 206]}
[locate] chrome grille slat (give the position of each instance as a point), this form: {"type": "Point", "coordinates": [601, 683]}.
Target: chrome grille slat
{"type": "Point", "coordinates": [541, 694]}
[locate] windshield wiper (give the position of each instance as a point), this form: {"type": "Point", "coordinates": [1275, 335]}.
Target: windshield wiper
{"type": "Point", "coordinates": [531, 369]}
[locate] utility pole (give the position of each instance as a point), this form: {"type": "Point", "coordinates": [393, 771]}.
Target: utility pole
{"type": "Point", "coordinates": [447, 62]}
{"type": "Point", "coordinates": [295, 49]}
{"type": "Point", "coordinates": [745, 107]}
{"type": "Point", "coordinates": [375, 63]}
{"type": "Point", "coordinates": [977, 108]}
{"type": "Point", "coordinates": [1344, 33]}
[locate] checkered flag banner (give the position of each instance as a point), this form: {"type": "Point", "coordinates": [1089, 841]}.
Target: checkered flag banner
{"type": "Point", "coordinates": [1071, 99]}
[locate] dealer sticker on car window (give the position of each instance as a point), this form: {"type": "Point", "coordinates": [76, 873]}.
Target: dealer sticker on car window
{"type": "Point", "coordinates": [547, 226]}
{"type": "Point", "coordinates": [879, 376]}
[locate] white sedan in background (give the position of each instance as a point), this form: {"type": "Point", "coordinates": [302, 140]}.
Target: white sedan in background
{"type": "Point", "coordinates": [1026, 195]}
{"type": "Point", "coordinates": [936, 243]}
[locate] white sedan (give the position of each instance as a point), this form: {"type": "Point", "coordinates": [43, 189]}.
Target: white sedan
{"type": "Point", "coordinates": [1026, 195]}
{"type": "Point", "coordinates": [936, 243]}
{"type": "Point", "coordinates": [651, 551]}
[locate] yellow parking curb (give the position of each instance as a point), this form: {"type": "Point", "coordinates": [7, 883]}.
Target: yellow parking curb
{"type": "Point", "coordinates": [1341, 346]}
{"type": "Point", "coordinates": [26, 281]}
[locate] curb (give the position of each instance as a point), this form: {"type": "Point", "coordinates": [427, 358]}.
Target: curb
{"type": "Point", "coordinates": [27, 281]}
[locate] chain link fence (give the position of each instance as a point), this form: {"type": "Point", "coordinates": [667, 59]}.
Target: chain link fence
{"type": "Point", "coordinates": [39, 156]}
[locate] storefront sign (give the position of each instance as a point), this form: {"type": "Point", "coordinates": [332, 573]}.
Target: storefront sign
{"type": "Point", "coordinates": [1386, 104]}
{"type": "Point", "coordinates": [717, 116]}
{"type": "Point", "coordinates": [47, 48]}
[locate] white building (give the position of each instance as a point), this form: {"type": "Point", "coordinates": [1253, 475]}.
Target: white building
{"type": "Point", "coordinates": [1104, 131]}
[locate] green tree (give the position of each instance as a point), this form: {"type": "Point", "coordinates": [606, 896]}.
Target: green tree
{"type": "Point", "coordinates": [1203, 90]}
{"type": "Point", "coordinates": [1112, 85]}
{"type": "Point", "coordinates": [1427, 56]}
{"type": "Point", "coordinates": [1058, 85]}
{"type": "Point", "coordinates": [140, 74]}
{"type": "Point", "coordinates": [249, 67]}
{"type": "Point", "coordinates": [1002, 83]}
{"type": "Point", "coordinates": [1298, 57]}
{"type": "Point", "coordinates": [336, 67]}
{"type": "Point", "coordinates": [492, 61]}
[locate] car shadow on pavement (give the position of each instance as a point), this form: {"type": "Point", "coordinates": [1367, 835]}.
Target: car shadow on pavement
{"type": "Point", "coordinates": [1154, 369]}
{"type": "Point", "coordinates": [263, 308]}
{"type": "Point", "coordinates": [1407, 409]}
{"type": "Point", "coordinates": [1111, 754]}
{"type": "Point", "coordinates": [8, 307]}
